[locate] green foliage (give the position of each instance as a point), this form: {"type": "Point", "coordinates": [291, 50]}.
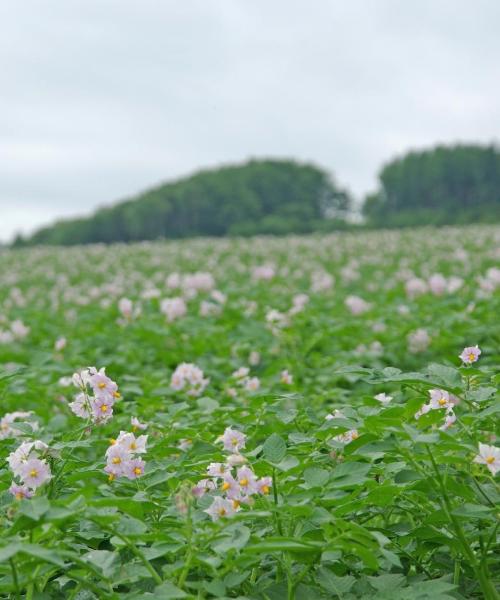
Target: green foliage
{"type": "Point", "coordinates": [446, 185]}
{"type": "Point", "coordinates": [259, 197]}
{"type": "Point", "coordinates": [399, 511]}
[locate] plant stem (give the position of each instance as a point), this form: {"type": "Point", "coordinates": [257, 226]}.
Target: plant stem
{"type": "Point", "coordinates": [14, 577]}
{"type": "Point", "coordinates": [486, 585]}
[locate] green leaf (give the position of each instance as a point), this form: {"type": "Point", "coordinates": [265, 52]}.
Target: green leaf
{"type": "Point", "coordinates": [274, 449]}
{"type": "Point", "coordinates": [168, 591]}
{"type": "Point", "coordinates": [334, 584]}
{"type": "Point", "coordinates": [315, 477]}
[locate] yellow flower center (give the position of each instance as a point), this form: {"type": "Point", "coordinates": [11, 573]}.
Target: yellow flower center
{"type": "Point", "coordinates": [490, 460]}
{"type": "Point", "coordinates": [442, 401]}
{"type": "Point", "coordinates": [222, 511]}
{"type": "Point", "coordinates": [19, 495]}
{"type": "Point", "coordinates": [265, 489]}
{"type": "Point", "coordinates": [112, 441]}
{"type": "Point", "coordinates": [133, 446]}
{"type": "Point", "coordinates": [354, 435]}
{"type": "Point", "coordinates": [111, 477]}
{"type": "Point", "coordinates": [33, 473]}
{"type": "Point", "coordinates": [244, 481]}
{"type": "Point", "coordinates": [104, 408]}
{"type": "Point", "coordinates": [117, 395]}
{"type": "Point", "coordinates": [472, 357]}
{"type": "Point", "coordinates": [225, 486]}
{"type": "Point", "coordinates": [101, 385]}
{"type": "Point", "coordinates": [236, 504]}
{"type": "Point", "coordinates": [137, 471]}
{"type": "Point", "coordinates": [116, 460]}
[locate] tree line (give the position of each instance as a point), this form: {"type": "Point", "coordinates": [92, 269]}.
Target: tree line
{"type": "Point", "coordinates": [444, 185]}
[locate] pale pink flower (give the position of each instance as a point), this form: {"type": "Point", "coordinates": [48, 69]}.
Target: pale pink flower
{"type": "Point", "coordinates": [20, 491]}
{"type": "Point", "coordinates": [264, 485]}
{"type": "Point", "coordinates": [233, 440]}
{"type": "Point", "coordinates": [357, 305]}
{"type": "Point", "coordinates": [101, 384]}
{"type": "Point", "coordinates": [247, 481]}
{"type": "Point", "coordinates": [263, 272]}
{"type": "Point", "coordinates": [286, 378]}
{"type": "Point", "coordinates": [241, 372]}
{"type": "Point", "coordinates": [437, 284]}
{"type": "Point", "coordinates": [231, 487]}
{"type": "Point", "coordinates": [117, 459]}
{"type": "Point", "coordinates": [440, 399]}
{"type": "Point", "coordinates": [449, 420]}
{"type": "Point", "coordinates": [423, 410]}
{"type": "Point", "coordinates": [216, 470]}
{"type": "Point", "coordinates": [35, 472]}
{"type": "Point", "coordinates": [188, 377]}
{"type": "Point", "coordinates": [102, 409]}
{"type": "Point", "coordinates": [173, 308]}
{"type": "Point", "coordinates": [418, 341]}
{"type": "Point", "coordinates": [60, 344]}
{"type": "Point", "coordinates": [251, 384]}
{"type": "Point", "coordinates": [470, 354]}
{"type": "Point", "coordinates": [254, 358]}
{"type": "Point", "coordinates": [81, 406]}
{"type": "Point", "coordinates": [136, 424]}
{"type": "Point", "coordinates": [219, 508]}
{"type": "Point", "coordinates": [202, 487]}
{"type": "Point", "coordinates": [415, 287]}
{"type": "Point", "coordinates": [134, 468]}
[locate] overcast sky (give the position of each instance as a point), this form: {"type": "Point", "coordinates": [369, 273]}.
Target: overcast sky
{"type": "Point", "coordinates": [100, 99]}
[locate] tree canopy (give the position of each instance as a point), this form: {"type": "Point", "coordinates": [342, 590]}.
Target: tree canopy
{"type": "Point", "coordinates": [261, 196]}
{"type": "Point", "coordinates": [445, 185]}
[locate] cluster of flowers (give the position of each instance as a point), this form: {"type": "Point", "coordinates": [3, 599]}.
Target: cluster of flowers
{"type": "Point", "coordinates": [127, 311]}
{"type": "Point", "coordinates": [357, 305]}
{"type": "Point", "coordinates": [437, 284]}
{"type": "Point", "coordinates": [214, 305]}
{"type": "Point", "coordinates": [29, 468]}
{"type": "Point", "coordinates": [321, 281]}
{"type": "Point", "coordinates": [348, 436]}
{"type": "Point", "coordinates": [235, 481]}
{"type": "Point", "coordinates": [173, 308]}
{"type": "Point", "coordinates": [8, 424]}
{"type": "Point", "coordinates": [418, 341]}
{"type": "Point", "coordinates": [17, 330]}
{"type": "Point", "coordinates": [242, 378]}
{"type": "Point", "coordinates": [122, 458]}
{"type": "Point", "coordinates": [189, 378]}
{"type": "Point", "coordinates": [97, 404]}
{"type": "Point", "coordinates": [440, 399]}
{"type": "Point", "coordinates": [191, 283]}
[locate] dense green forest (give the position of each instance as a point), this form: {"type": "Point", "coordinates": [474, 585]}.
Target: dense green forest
{"type": "Point", "coordinates": [268, 196]}
{"type": "Point", "coordinates": [445, 185]}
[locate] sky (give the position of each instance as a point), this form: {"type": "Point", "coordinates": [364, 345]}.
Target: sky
{"type": "Point", "coordinates": [101, 99]}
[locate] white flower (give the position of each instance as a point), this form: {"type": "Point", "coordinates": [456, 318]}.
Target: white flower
{"type": "Point", "coordinates": [383, 398]}
{"type": "Point", "coordinates": [489, 456]}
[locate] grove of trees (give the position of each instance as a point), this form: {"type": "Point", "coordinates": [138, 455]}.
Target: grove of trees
{"type": "Point", "coordinates": [445, 185]}
{"type": "Point", "coordinates": [261, 196]}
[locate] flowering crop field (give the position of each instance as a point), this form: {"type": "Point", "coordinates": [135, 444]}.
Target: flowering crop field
{"type": "Point", "coordinates": [264, 419]}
